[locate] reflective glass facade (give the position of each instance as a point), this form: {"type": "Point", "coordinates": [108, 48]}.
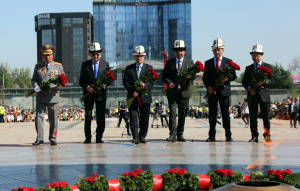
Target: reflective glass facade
{"type": "Point", "coordinates": [49, 37]}
{"type": "Point", "coordinates": [121, 25]}
{"type": "Point", "coordinates": [77, 53]}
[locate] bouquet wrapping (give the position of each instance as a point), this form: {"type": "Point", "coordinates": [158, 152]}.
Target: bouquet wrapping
{"type": "Point", "coordinates": [150, 77]}
{"type": "Point", "coordinates": [190, 70]}
{"type": "Point", "coordinates": [228, 71]}
{"type": "Point", "coordinates": [100, 83]}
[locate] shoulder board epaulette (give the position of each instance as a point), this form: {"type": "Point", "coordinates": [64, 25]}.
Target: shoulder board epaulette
{"type": "Point", "coordinates": [56, 63]}
{"type": "Point", "coordinates": [39, 63]}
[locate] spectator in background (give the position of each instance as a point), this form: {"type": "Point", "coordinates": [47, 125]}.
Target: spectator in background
{"type": "Point", "coordinates": [107, 112]}
{"type": "Point", "coordinates": [245, 113]}
{"type": "Point", "coordinates": [293, 111]}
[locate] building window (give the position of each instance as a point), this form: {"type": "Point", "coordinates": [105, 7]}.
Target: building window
{"type": "Point", "coordinates": [77, 20]}
{"type": "Point", "coordinates": [44, 22]}
{"type": "Point", "coordinates": [88, 22]}
{"type": "Point", "coordinates": [67, 49]}
{"type": "Point", "coordinates": [77, 53]}
{"type": "Point", "coordinates": [88, 30]}
{"type": "Point", "coordinates": [88, 38]}
{"type": "Point", "coordinates": [52, 21]}
{"type": "Point", "coordinates": [66, 22]}
{"type": "Point", "coordinates": [67, 57]}
{"type": "Point", "coordinates": [49, 37]}
{"type": "Point", "coordinates": [67, 41]}
{"type": "Point", "coordinates": [67, 31]}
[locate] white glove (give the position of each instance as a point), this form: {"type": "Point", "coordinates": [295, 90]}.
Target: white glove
{"type": "Point", "coordinates": [37, 89]}
{"type": "Point", "coordinates": [52, 85]}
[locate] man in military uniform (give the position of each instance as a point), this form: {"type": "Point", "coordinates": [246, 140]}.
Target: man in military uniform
{"type": "Point", "coordinates": [44, 71]}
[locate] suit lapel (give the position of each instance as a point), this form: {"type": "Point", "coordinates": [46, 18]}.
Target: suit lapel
{"type": "Point", "coordinates": [100, 69]}
{"type": "Point", "coordinates": [213, 65]}
{"type": "Point", "coordinates": [91, 68]}
{"type": "Point", "coordinates": [223, 63]}
{"type": "Point", "coordinates": [135, 72]}
{"type": "Point", "coordinates": [184, 65]}
{"type": "Point", "coordinates": [143, 71]}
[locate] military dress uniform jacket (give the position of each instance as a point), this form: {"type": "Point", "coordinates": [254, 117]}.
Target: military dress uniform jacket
{"type": "Point", "coordinates": [41, 73]}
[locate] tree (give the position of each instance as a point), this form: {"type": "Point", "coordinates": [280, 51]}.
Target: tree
{"type": "Point", "coordinates": [240, 79]}
{"type": "Point", "coordinates": [295, 65]}
{"type": "Point", "coordinates": [283, 77]}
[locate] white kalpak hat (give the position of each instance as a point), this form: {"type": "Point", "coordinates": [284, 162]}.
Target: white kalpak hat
{"type": "Point", "coordinates": [218, 43]}
{"type": "Point", "coordinates": [95, 47]}
{"type": "Point", "coordinates": [257, 49]}
{"type": "Point", "coordinates": [139, 50]}
{"type": "Point", "coordinates": [179, 45]}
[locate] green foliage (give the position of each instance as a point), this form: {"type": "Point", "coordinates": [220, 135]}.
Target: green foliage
{"type": "Point", "coordinates": [259, 176]}
{"type": "Point", "coordinates": [99, 184]}
{"type": "Point", "coordinates": [186, 181]}
{"type": "Point", "coordinates": [240, 79]}
{"type": "Point", "coordinates": [283, 77]}
{"type": "Point", "coordinates": [126, 183]}
{"type": "Point", "coordinates": [15, 77]}
{"type": "Point", "coordinates": [144, 181]}
{"type": "Point", "coordinates": [218, 180]}
{"type": "Point", "coordinates": [67, 188]}
{"type": "Point", "coordinates": [292, 180]}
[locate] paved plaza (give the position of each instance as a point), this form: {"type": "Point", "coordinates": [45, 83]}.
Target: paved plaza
{"type": "Point", "coordinates": [22, 164]}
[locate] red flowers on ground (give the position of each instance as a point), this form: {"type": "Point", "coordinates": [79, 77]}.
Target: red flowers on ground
{"type": "Point", "coordinates": [246, 178]}
{"type": "Point", "coordinates": [270, 172]}
{"type": "Point", "coordinates": [58, 184]}
{"type": "Point", "coordinates": [133, 174]}
{"type": "Point", "coordinates": [95, 176]}
{"type": "Point", "coordinates": [279, 173]}
{"type": "Point", "coordinates": [176, 171]}
{"type": "Point", "coordinates": [224, 172]}
{"type": "Point", "coordinates": [264, 69]}
{"type": "Point", "coordinates": [62, 79]}
{"type": "Point", "coordinates": [90, 179]}
{"type": "Point", "coordinates": [138, 170]}
{"type": "Point", "coordinates": [125, 174]}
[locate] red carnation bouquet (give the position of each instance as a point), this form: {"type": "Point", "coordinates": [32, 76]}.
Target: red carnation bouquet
{"type": "Point", "coordinates": [92, 183]}
{"type": "Point", "coordinates": [99, 84]}
{"type": "Point", "coordinates": [150, 77]}
{"type": "Point", "coordinates": [56, 186]}
{"type": "Point", "coordinates": [59, 80]}
{"type": "Point", "coordinates": [278, 174]}
{"type": "Point", "coordinates": [228, 71]}
{"type": "Point", "coordinates": [261, 76]}
{"type": "Point", "coordinates": [190, 70]}
{"type": "Point", "coordinates": [222, 177]}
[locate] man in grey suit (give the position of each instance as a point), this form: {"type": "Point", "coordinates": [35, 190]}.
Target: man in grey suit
{"type": "Point", "coordinates": [44, 71]}
{"type": "Point", "coordinates": [179, 93]}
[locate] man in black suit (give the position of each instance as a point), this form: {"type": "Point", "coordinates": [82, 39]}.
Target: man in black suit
{"type": "Point", "coordinates": [262, 97]}
{"type": "Point", "coordinates": [134, 72]}
{"type": "Point", "coordinates": [221, 94]}
{"type": "Point", "coordinates": [180, 93]}
{"type": "Point", "coordinates": [91, 70]}
{"type": "Point", "coordinates": [293, 111]}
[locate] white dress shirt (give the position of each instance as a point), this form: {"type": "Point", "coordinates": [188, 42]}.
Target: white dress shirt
{"type": "Point", "coordinates": [220, 61]}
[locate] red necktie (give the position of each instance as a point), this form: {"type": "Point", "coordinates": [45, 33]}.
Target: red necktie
{"type": "Point", "coordinates": [217, 66]}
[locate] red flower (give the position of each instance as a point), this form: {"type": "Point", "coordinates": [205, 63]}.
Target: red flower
{"type": "Point", "coordinates": [278, 176]}
{"type": "Point", "coordinates": [95, 176]}
{"type": "Point", "coordinates": [287, 171]}
{"type": "Point", "coordinates": [62, 79]}
{"type": "Point", "coordinates": [23, 189]}
{"type": "Point", "coordinates": [133, 174]}
{"type": "Point", "coordinates": [279, 171]}
{"type": "Point", "coordinates": [169, 171]}
{"type": "Point", "coordinates": [264, 69]}
{"type": "Point", "coordinates": [233, 65]}
{"type": "Point", "coordinates": [108, 72]}
{"type": "Point", "coordinates": [138, 170]}
{"type": "Point", "coordinates": [246, 178]}
{"type": "Point", "coordinates": [200, 66]}
{"type": "Point", "coordinates": [125, 174]}
{"type": "Point", "coordinates": [229, 172]}
{"type": "Point", "coordinates": [270, 172]}
{"type": "Point", "coordinates": [156, 77]}
{"type": "Point", "coordinates": [181, 172]}
{"type": "Point", "coordinates": [90, 179]}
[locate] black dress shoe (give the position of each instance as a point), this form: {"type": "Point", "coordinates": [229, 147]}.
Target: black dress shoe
{"type": "Point", "coordinates": [53, 142]}
{"type": "Point", "coordinates": [172, 138]}
{"type": "Point", "coordinates": [229, 140]}
{"type": "Point", "coordinates": [181, 139]}
{"type": "Point", "coordinates": [38, 142]}
{"type": "Point", "coordinates": [210, 140]}
{"type": "Point", "coordinates": [142, 140]}
{"type": "Point", "coordinates": [99, 141]}
{"type": "Point", "coordinates": [135, 141]}
{"type": "Point", "coordinates": [254, 139]}
{"type": "Point", "coordinates": [87, 141]}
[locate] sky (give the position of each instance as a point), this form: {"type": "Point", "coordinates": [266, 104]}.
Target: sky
{"type": "Point", "coordinates": [240, 24]}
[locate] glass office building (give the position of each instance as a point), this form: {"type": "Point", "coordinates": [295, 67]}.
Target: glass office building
{"type": "Point", "coordinates": [120, 25]}
{"type": "Point", "coordinates": [71, 34]}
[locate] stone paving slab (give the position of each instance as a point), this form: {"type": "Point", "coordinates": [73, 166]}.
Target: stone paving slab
{"type": "Point", "coordinates": [22, 164]}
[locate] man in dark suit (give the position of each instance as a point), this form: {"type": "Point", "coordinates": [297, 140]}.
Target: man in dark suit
{"type": "Point", "coordinates": [263, 96]}
{"type": "Point", "coordinates": [180, 93]}
{"type": "Point", "coordinates": [91, 70]}
{"type": "Point", "coordinates": [293, 111]}
{"type": "Point", "coordinates": [221, 94]}
{"type": "Point", "coordinates": [134, 72]}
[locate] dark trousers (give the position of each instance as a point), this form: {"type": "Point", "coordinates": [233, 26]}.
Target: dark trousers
{"type": "Point", "coordinates": [100, 112]}
{"type": "Point", "coordinates": [213, 111]}
{"type": "Point", "coordinates": [124, 116]}
{"type": "Point", "coordinates": [265, 110]}
{"type": "Point", "coordinates": [246, 115]}
{"type": "Point", "coordinates": [182, 106]}
{"type": "Point", "coordinates": [293, 117]}
{"type": "Point", "coordinates": [144, 110]}
{"type": "Point", "coordinates": [162, 117]}
{"type": "Point", "coordinates": [1, 118]}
